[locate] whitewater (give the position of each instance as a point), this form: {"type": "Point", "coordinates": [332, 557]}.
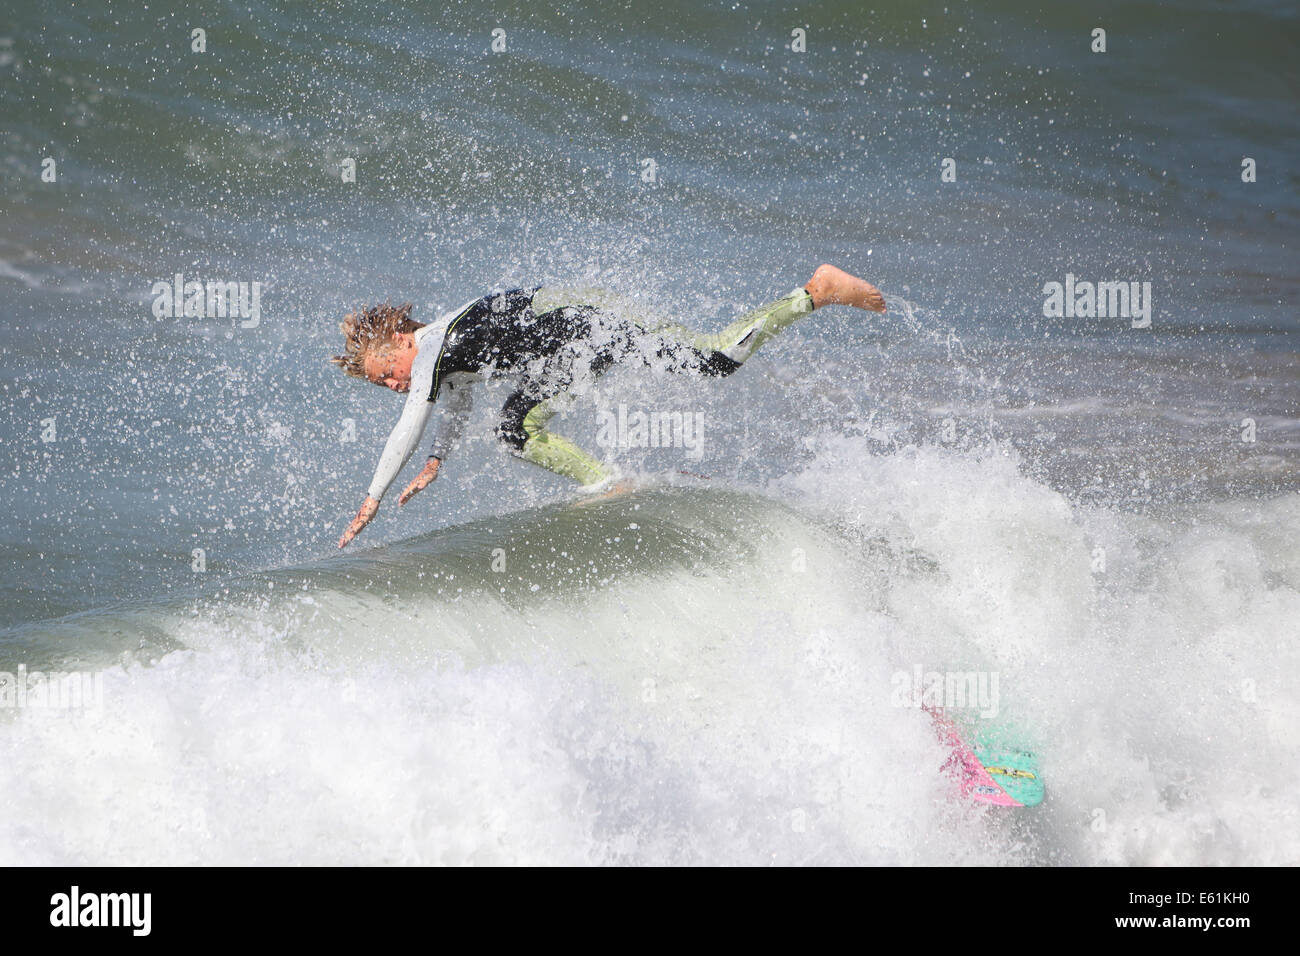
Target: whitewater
{"type": "Point", "coordinates": [696, 674]}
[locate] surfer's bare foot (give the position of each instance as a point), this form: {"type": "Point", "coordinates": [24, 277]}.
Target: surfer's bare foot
{"type": "Point", "coordinates": [832, 286]}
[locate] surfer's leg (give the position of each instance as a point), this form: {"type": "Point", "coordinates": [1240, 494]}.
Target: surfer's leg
{"type": "Point", "coordinates": [523, 428]}
{"type": "Point", "coordinates": [718, 353]}
{"type": "Point", "coordinates": [721, 353]}
{"type": "Point", "coordinates": [550, 390]}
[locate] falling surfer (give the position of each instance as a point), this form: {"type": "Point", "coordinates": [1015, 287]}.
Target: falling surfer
{"type": "Point", "coordinates": [552, 342]}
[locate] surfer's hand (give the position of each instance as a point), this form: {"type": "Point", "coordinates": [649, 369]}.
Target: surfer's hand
{"type": "Point", "coordinates": [421, 481]}
{"type": "Point", "coordinates": [368, 511]}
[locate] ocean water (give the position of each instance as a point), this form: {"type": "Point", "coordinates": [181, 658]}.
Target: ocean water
{"type": "Point", "coordinates": [1102, 513]}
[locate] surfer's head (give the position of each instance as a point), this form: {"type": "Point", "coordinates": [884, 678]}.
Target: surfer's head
{"type": "Point", "coordinates": [379, 345]}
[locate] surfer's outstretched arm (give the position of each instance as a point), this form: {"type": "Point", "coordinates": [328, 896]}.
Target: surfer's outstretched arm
{"type": "Point", "coordinates": [458, 401]}
{"type": "Point", "coordinates": [401, 444]}
{"type": "Point", "coordinates": [402, 441]}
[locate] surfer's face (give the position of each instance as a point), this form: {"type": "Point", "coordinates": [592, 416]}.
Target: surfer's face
{"type": "Point", "coordinates": [391, 366]}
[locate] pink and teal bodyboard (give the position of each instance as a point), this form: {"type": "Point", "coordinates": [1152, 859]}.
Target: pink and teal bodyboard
{"type": "Point", "coordinates": [988, 766]}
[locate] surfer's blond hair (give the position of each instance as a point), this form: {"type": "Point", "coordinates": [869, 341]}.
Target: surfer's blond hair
{"type": "Point", "coordinates": [374, 328]}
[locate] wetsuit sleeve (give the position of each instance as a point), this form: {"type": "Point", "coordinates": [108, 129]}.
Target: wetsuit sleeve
{"type": "Point", "coordinates": [458, 401]}
{"type": "Point", "coordinates": [405, 437]}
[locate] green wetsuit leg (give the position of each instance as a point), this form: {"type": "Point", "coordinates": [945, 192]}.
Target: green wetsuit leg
{"type": "Point", "coordinates": [555, 452]}
{"type": "Point", "coordinates": [743, 337]}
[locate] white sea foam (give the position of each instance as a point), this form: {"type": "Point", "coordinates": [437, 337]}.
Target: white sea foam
{"type": "Point", "coordinates": [731, 711]}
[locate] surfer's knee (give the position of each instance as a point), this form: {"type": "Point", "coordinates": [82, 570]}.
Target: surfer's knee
{"type": "Point", "coordinates": [718, 365]}
{"type": "Point", "coordinates": [511, 434]}
{"type": "Point", "coordinates": [511, 429]}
